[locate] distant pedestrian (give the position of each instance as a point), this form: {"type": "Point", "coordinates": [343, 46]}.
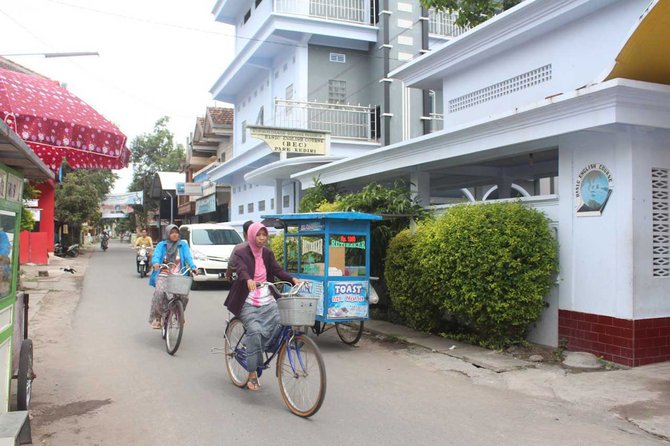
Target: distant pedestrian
{"type": "Point", "coordinates": [245, 243]}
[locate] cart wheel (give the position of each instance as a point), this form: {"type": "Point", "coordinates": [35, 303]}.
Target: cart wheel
{"type": "Point", "coordinates": [349, 332]}
{"type": "Point", "coordinates": [24, 380]}
{"type": "Point", "coordinates": [195, 286]}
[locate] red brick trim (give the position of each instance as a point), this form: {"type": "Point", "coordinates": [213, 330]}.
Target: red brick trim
{"type": "Point", "coordinates": [624, 341]}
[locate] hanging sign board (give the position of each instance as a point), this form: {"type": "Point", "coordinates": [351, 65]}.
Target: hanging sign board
{"type": "Point", "coordinates": [193, 189]}
{"type": "Point", "coordinates": [205, 205]}
{"type": "Point", "coordinates": [281, 140]}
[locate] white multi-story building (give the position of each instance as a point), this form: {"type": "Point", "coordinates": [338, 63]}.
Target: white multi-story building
{"type": "Point", "coordinates": [569, 100]}
{"type": "Point", "coordinates": [319, 65]}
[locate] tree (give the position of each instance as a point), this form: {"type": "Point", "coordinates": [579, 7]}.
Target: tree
{"type": "Point", "coordinates": [27, 220]}
{"type": "Point", "coordinates": [153, 152]}
{"type": "Point", "coordinates": [79, 195]}
{"type": "Point", "coordinates": [471, 13]}
{"type": "Point", "coordinates": [315, 196]}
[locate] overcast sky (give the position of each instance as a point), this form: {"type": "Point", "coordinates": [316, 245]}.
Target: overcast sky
{"type": "Point", "coordinates": [157, 57]}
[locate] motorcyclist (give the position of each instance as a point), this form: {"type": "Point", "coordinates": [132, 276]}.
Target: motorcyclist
{"type": "Point", "coordinates": [104, 239]}
{"type": "Point", "coordinates": [144, 240]}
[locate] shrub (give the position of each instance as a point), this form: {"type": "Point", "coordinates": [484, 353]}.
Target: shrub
{"type": "Point", "coordinates": [493, 263]}
{"type": "Point", "coordinates": [403, 279]}
{"type": "Point", "coordinates": [277, 246]}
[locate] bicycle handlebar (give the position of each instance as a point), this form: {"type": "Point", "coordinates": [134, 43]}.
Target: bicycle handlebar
{"type": "Point", "coordinates": [184, 270]}
{"type": "Point", "coordinates": [293, 291]}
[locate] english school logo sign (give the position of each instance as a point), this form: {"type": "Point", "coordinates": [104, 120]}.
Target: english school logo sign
{"type": "Point", "coordinates": [593, 189]}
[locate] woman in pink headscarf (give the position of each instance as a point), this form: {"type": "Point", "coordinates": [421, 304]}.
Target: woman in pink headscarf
{"type": "Point", "coordinates": [256, 307]}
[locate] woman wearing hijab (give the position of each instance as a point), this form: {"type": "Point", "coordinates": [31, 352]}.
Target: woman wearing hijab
{"type": "Point", "coordinates": [256, 307]}
{"type": "Point", "coordinates": [170, 250]}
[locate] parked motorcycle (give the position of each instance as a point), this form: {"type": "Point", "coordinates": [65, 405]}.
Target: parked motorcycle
{"type": "Point", "coordinates": [66, 251]}
{"type": "Point", "coordinates": [142, 261]}
{"type": "Point", "coordinates": [104, 242]}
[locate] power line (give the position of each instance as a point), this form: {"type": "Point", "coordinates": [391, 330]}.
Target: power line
{"type": "Point", "coordinates": [190, 28]}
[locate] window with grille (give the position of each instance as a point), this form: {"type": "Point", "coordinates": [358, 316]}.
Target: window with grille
{"type": "Point", "coordinates": [287, 201]}
{"type": "Point", "coordinates": [240, 209]}
{"type": "Point", "coordinates": [250, 207]}
{"type": "Point", "coordinates": [660, 181]}
{"type": "Point", "coordinates": [272, 203]}
{"type": "Point", "coordinates": [509, 86]}
{"type": "Point", "coordinates": [261, 206]}
{"type": "Point", "coordinates": [337, 91]}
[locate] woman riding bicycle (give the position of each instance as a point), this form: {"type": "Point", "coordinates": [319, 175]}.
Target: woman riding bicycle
{"type": "Point", "coordinates": [176, 253]}
{"type": "Point", "coordinates": [255, 306]}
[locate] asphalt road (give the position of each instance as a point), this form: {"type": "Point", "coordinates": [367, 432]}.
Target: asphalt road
{"type": "Point", "coordinates": [105, 379]}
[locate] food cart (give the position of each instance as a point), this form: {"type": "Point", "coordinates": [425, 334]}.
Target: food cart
{"type": "Point", "coordinates": [17, 161]}
{"type": "Point", "coordinates": [330, 251]}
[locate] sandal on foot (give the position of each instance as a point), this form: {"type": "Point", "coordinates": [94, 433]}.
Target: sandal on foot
{"type": "Point", "coordinates": [253, 384]}
{"type": "Point", "coordinates": [156, 325]}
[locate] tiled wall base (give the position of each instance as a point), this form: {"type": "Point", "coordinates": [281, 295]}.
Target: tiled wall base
{"type": "Point", "coordinates": [627, 342]}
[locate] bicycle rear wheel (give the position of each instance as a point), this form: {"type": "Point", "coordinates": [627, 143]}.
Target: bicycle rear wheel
{"type": "Point", "coordinates": [349, 332]}
{"type": "Point", "coordinates": [235, 353]}
{"type": "Point", "coordinates": [302, 376]}
{"type": "Point", "coordinates": [174, 326]}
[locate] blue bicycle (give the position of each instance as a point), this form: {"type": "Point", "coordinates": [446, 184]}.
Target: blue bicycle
{"type": "Point", "coordinates": [300, 370]}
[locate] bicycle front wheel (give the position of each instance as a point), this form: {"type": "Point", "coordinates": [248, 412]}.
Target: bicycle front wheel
{"type": "Point", "coordinates": [236, 352]}
{"type": "Point", "coordinates": [174, 327]}
{"type": "Point", "coordinates": [302, 376]}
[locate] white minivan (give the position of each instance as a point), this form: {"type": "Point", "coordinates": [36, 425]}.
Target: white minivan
{"type": "Point", "coordinates": [211, 245]}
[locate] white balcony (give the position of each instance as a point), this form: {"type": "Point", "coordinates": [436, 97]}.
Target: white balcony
{"type": "Point", "coordinates": [443, 24]}
{"type": "Point", "coordinates": [342, 121]}
{"type": "Point", "coordinates": [355, 11]}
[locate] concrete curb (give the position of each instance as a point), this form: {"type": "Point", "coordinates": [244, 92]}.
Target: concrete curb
{"type": "Point", "coordinates": [480, 357]}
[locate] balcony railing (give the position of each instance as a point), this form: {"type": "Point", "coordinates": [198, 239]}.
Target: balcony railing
{"type": "Point", "coordinates": [356, 11]}
{"type": "Point", "coordinates": [342, 121]}
{"type": "Point", "coordinates": [443, 23]}
{"type": "Point", "coordinates": [436, 122]}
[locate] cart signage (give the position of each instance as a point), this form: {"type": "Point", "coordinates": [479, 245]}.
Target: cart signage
{"type": "Point", "coordinates": [347, 241]}
{"type": "Point", "coordinates": [311, 227]}
{"type": "Point", "coordinates": [347, 300]}
{"type": "Point", "coordinates": [14, 188]}
{"type": "Point", "coordinates": [313, 288]}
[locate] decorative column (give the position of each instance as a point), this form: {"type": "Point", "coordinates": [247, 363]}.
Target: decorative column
{"type": "Point", "coordinates": [46, 202]}
{"type": "Point", "coordinates": [420, 187]}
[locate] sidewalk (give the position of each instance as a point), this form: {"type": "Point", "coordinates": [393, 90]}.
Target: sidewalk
{"type": "Point", "coordinates": [640, 396]}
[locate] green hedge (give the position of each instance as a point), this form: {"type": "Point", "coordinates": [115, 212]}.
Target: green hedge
{"type": "Point", "coordinates": [488, 267]}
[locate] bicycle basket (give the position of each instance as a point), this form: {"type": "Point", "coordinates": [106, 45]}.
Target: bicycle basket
{"type": "Point", "coordinates": [178, 284]}
{"type": "Point", "coordinates": [297, 310]}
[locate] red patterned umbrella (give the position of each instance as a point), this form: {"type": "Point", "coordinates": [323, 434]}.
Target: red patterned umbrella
{"type": "Point", "coordinates": [56, 124]}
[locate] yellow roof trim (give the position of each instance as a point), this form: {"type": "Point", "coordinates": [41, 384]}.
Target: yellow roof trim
{"type": "Point", "coordinates": [646, 54]}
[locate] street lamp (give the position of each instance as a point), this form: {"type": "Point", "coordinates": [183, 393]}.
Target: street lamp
{"type": "Point", "coordinates": [49, 55]}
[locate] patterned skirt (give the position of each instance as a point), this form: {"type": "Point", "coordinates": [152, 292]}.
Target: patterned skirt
{"type": "Point", "coordinates": [159, 302]}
